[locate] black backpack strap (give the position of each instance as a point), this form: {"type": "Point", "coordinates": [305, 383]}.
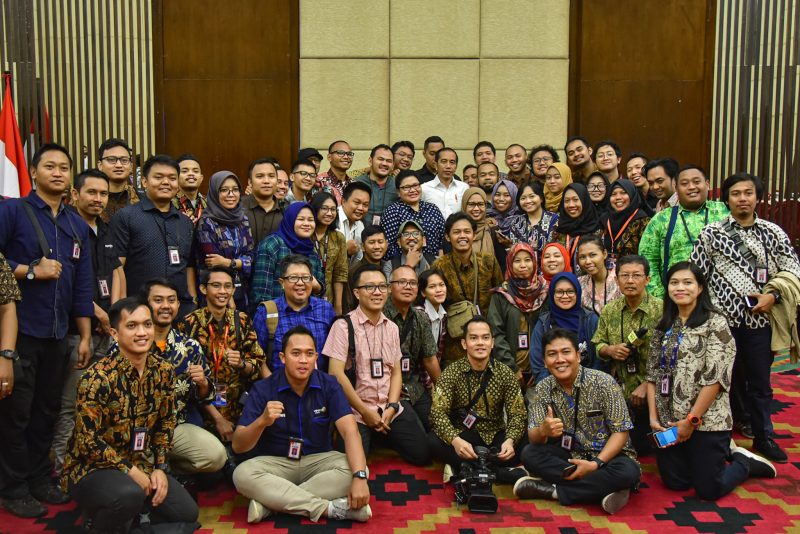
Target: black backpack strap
{"type": "Point", "coordinates": [673, 218]}
{"type": "Point", "coordinates": [351, 347]}
{"type": "Point", "coordinates": [45, 247]}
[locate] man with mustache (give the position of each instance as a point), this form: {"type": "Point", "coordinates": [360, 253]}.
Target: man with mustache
{"type": "Point", "coordinates": [189, 200]}
{"type": "Point", "coordinates": [579, 158]}
{"type": "Point", "coordinates": [383, 191]}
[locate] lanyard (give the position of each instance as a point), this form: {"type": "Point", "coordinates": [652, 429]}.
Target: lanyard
{"type": "Point", "coordinates": [324, 250]}
{"type": "Point", "coordinates": [686, 226]}
{"type": "Point", "coordinates": [622, 321]}
{"type": "Point", "coordinates": [613, 237]}
{"type": "Point", "coordinates": [674, 358]}
{"type": "Point", "coordinates": [574, 245]}
{"type": "Point", "coordinates": [485, 376]}
{"type": "Point", "coordinates": [605, 292]}
{"type": "Point", "coordinates": [198, 211]}
{"type": "Point", "coordinates": [217, 349]}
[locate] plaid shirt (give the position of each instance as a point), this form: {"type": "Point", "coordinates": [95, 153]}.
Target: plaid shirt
{"type": "Point", "coordinates": [264, 284]}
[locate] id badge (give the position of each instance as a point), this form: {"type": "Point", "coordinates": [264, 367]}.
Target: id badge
{"type": "Point", "coordinates": [103, 287]}
{"type": "Point", "coordinates": [631, 365]}
{"type": "Point", "coordinates": [76, 249]}
{"type": "Point", "coordinates": [376, 367]}
{"type": "Point", "coordinates": [566, 441]}
{"type": "Point", "coordinates": [761, 274]}
{"type": "Point", "coordinates": [632, 338]}
{"type": "Point", "coordinates": [376, 220]}
{"type": "Point", "coordinates": [295, 448]}
{"type": "Point", "coordinates": [220, 395]}
{"type": "Point", "coordinates": [470, 419]}
{"type": "Point", "coordinates": [405, 364]}
{"type": "Point", "coordinates": [174, 256]}
{"type": "Point", "coordinates": [666, 385]}
{"type": "Point", "coordinates": [522, 341]}
{"type": "Point", "coordinates": [138, 439]}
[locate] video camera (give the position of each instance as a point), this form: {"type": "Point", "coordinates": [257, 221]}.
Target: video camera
{"type": "Point", "coordinates": [633, 343]}
{"type": "Point", "coordinates": [474, 484]}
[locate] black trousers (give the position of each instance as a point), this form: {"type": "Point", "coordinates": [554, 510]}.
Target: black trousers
{"type": "Point", "coordinates": [701, 463]}
{"type": "Point", "coordinates": [751, 388]}
{"type": "Point", "coordinates": [641, 429]}
{"type": "Point", "coordinates": [29, 415]}
{"type": "Point", "coordinates": [406, 437]}
{"type": "Point", "coordinates": [447, 454]}
{"type": "Point", "coordinates": [548, 461]}
{"type": "Point", "coordinates": [423, 410]}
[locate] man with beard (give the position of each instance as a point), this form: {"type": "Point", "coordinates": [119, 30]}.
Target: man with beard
{"type": "Point", "coordinates": [540, 159]}
{"type": "Point", "coordinates": [382, 188]}
{"type": "Point", "coordinates": [660, 175]}
{"type": "Point", "coordinates": [189, 200]}
{"type": "Point", "coordinates": [261, 206]}
{"type": "Point", "coordinates": [579, 159]}
{"type": "Point", "coordinates": [516, 161]}
{"type": "Point", "coordinates": [488, 175]}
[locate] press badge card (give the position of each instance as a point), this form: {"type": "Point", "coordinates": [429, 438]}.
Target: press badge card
{"type": "Point", "coordinates": [138, 439]}
{"type": "Point", "coordinates": [761, 274]}
{"type": "Point", "coordinates": [220, 395]}
{"type": "Point", "coordinates": [295, 448]}
{"type": "Point", "coordinates": [566, 441]}
{"type": "Point", "coordinates": [522, 341]}
{"type": "Point", "coordinates": [103, 286]}
{"type": "Point", "coordinates": [174, 256]}
{"type": "Point", "coordinates": [405, 364]}
{"type": "Point", "coordinates": [376, 367]}
{"type": "Point", "coordinates": [76, 250]}
{"type": "Point", "coordinates": [666, 385]}
{"type": "Point", "coordinates": [469, 420]}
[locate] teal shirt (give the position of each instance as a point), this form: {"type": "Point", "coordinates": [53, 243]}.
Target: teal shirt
{"type": "Point", "coordinates": [653, 243]}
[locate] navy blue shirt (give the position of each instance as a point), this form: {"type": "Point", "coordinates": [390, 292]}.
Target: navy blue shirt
{"type": "Point", "coordinates": [308, 417]}
{"type": "Point", "coordinates": [46, 305]}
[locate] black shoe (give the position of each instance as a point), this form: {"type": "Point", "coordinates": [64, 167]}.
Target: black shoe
{"type": "Point", "coordinates": [745, 429]}
{"type": "Point", "coordinates": [510, 475]}
{"type": "Point", "coordinates": [533, 488]}
{"type": "Point", "coordinates": [50, 493]}
{"type": "Point", "coordinates": [759, 467]}
{"type": "Point", "coordinates": [26, 507]}
{"type": "Point", "coordinates": [771, 450]}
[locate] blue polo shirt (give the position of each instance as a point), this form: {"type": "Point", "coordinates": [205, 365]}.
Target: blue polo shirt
{"type": "Point", "coordinates": [308, 417]}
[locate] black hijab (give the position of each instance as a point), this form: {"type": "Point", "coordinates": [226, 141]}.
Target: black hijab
{"type": "Point", "coordinates": [603, 207]}
{"type": "Point", "coordinates": [587, 222]}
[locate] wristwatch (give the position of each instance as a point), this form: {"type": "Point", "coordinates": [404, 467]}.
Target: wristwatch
{"type": "Point", "coordinates": [777, 296]}
{"type": "Point", "coordinates": [163, 467]}
{"type": "Point", "coordinates": [360, 474]}
{"type": "Point", "coordinates": [600, 463]}
{"type": "Point", "coordinates": [394, 405]}
{"type": "Point", "coordinates": [694, 420]}
{"type": "Point", "coordinates": [9, 355]}
{"type": "Point", "coordinates": [30, 275]}
{"type": "Point", "coordinates": [233, 264]}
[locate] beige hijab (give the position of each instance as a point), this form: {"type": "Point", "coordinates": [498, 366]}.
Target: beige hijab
{"type": "Point", "coordinates": [483, 235]}
{"type": "Point", "coordinates": [552, 200]}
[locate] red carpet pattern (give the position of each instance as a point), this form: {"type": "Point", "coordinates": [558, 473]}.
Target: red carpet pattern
{"type": "Point", "coordinates": [408, 500]}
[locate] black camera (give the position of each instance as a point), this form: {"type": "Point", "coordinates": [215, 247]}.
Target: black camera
{"type": "Point", "coordinates": [633, 345]}
{"type": "Point", "coordinates": [474, 484]}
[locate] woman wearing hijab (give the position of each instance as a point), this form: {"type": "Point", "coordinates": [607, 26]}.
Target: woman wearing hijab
{"type": "Point", "coordinates": [558, 177]}
{"type": "Point", "coordinates": [599, 188]}
{"type": "Point", "coordinates": [514, 309]}
{"type": "Point", "coordinates": [534, 225]}
{"type": "Point", "coordinates": [223, 235]}
{"type": "Point", "coordinates": [473, 203]}
{"type": "Point", "coordinates": [626, 219]}
{"type": "Point", "coordinates": [577, 217]}
{"type": "Point", "coordinates": [504, 204]}
{"type": "Point", "coordinates": [330, 246]}
{"type": "Point", "coordinates": [293, 236]}
{"type": "Point", "coordinates": [565, 311]}
{"type": "Point", "coordinates": [555, 259]}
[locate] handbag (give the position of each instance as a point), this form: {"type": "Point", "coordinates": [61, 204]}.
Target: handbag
{"type": "Point", "coordinates": [459, 313]}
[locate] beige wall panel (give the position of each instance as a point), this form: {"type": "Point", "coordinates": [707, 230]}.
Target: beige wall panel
{"type": "Point", "coordinates": [440, 28]}
{"type": "Point", "coordinates": [523, 101]}
{"type": "Point", "coordinates": [349, 28]}
{"type": "Point", "coordinates": [525, 28]}
{"type": "Point", "coordinates": [434, 97]}
{"type": "Point", "coordinates": [335, 102]}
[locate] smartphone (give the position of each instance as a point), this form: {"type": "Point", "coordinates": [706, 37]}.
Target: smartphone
{"type": "Point", "coordinates": [569, 470]}
{"type": "Point", "coordinates": [665, 438]}
{"type": "Point", "coordinates": [751, 302]}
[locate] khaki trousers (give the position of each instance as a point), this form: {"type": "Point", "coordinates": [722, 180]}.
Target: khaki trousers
{"type": "Point", "coordinates": [196, 450]}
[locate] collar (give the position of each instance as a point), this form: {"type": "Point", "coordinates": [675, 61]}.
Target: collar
{"type": "Point", "coordinates": [208, 317]}
{"type": "Point", "coordinates": [431, 311]}
{"type": "Point", "coordinates": [458, 263]}
{"type": "Point", "coordinates": [577, 384]}
{"type": "Point", "coordinates": [283, 304]}
{"type": "Point", "coordinates": [250, 202]}
{"type": "Point", "coordinates": [642, 305]}
{"type": "Point", "coordinates": [39, 203]}
{"type": "Point", "coordinates": [147, 205]}
{"type": "Point", "coordinates": [360, 318]}
{"type": "Point", "coordinates": [733, 222]}
{"type": "Point", "coordinates": [465, 367]}
{"type": "Point", "coordinates": [703, 207]}
{"type": "Point", "coordinates": [125, 366]}
{"type": "Point", "coordinates": [392, 312]}
{"type": "Point", "coordinates": [314, 381]}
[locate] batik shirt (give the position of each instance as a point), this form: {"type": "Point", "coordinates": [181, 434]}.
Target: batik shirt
{"type": "Point", "coordinates": [113, 400]}
{"type": "Point", "coordinates": [536, 235]}
{"type": "Point", "coordinates": [117, 201]}
{"type": "Point", "coordinates": [327, 181]}
{"type": "Point", "coordinates": [730, 276]}
{"type": "Point", "coordinates": [185, 206]}
{"type": "Point", "coordinates": [9, 290]}
{"type": "Point", "coordinates": [182, 351]}
{"type": "Point", "coordinates": [500, 408]}
{"type": "Point", "coordinates": [201, 326]}
{"type": "Point", "coordinates": [704, 357]}
{"type": "Point", "coordinates": [594, 297]}
{"type": "Point", "coordinates": [416, 343]}
{"type": "Point", "coordinates": [628, 242]}
{"type": "Point", "coordinates": [602, 411]}
{"type": "Point", "coordinates": [617, 322]}
{"type": "Point", "coordinates": [653, 242]}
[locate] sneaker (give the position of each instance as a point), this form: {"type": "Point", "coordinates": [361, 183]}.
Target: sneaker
{"type": "Point", "coordinates": [771, 450]}
{"type": "Point", "coordinates": [759, 467]}
{"type": "Point", "coordinates": [614, 502]}
{"type": "Point", "coordinates": [745, 429]}
{"type": "Point", "coordinates": [49, 493]}
{"type": "Point", "coordinates": [510, 475]}
{"type": "Point", "coordinates": [533, 488]}
{"type": "Point", "coordinates": [26, 507]}
{"type": "Point", "coordinates": [257, 512]}
{"type": "Point", "coordinates": [447, 473]}
{"type": "Point", "coordinates": [337, 509]}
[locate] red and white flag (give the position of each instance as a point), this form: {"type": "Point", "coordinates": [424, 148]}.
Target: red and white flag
{"type": "Point", "coordinates": [14, 179]}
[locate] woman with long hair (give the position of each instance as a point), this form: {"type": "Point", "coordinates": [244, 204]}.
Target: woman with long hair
{"type": "Point", "coordinates": [626, 220]}
{"type": "Point", "coordinates": [431, 298]}
{"type": "Point", "coordinates": [689, 371]}
{"type": "Point", "coordinates": [599, 284]}
{"type": "Point", "coordinates": [534, 225]}
{"type": "Point", "coordinates": [330, 246]}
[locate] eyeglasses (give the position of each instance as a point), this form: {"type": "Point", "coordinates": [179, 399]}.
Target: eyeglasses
{"type": "Point", "coordinates": [407, 188]}
{"type": "Point", "coordinates": [327, 209]}
{"type": "Point", "coordinates": [631, 276]}
{"type": "Point", "coordinates": [564, 292]}
{"type": "Point", "coordinates": [229, 191]}
{"type": "Point", "coordinates": [372, 288]}
{"type": "Point", "coordinates": [344, 153]}
{"type": "Point", "coordinates": [294, 278]}
{"type": "Point", "coordinates": [305, 174]}
{"type": "Point", "coordinates": [220, 285]}
{"type": "Point", "coordinates": [405, 283]}
{"type": "Point", "coordinates": [112, 160]}
{"type": "Point", "coordinates": [472, 205]}
{"type": "Point", "coordinates": [546, 159]}
{"type": "Point", "coordinates": [414, 233]}
{"type": "Point", "coordinates": [596, 187]}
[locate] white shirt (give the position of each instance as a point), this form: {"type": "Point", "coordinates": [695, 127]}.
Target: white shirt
{"type": "Point", "coordinates": [447, 199]}
{"type": "Point", "coordinates": [351, 231]}
{"type": "Point", "coordinates": [435, 317]}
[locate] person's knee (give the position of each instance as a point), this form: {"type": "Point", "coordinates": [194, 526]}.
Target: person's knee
{"type": "Point", "coordinates": [708, 492]}
{"type": "Point", "coordinates": [213, 457]}
{"type": "Point", "coordinates": [127, 499]}
{"type": "Point", "coordinates": [531, 456]}
{"type": "Point", "coordinates": [243, 475]}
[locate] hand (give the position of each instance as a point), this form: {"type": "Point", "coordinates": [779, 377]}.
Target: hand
{"type": "Point", "coordinates": [655, 425]}
{"type": "Point", "coordinates": [248, 190]}
{"type": "Point", "coordinates": [584, 468]}
{"type": "Point", "coordinates": [765, 302]}
{"type": "Point", "coordinates": [506, 450]}
{"type": "Point", "coordinates": [491, 222]}
{"type": "Point", "coordinates": [618, 352]}
{"type": "Point", "coordinates": [639, 395]}
{"type": "Point", "coordinates": [84, 353]}
{"type": "Point", "coordinates": [685, 430]}
{"type": "Point", "coordinates": [272, 411]}
{"type": "Point", "coordinates": [502, 238]}
{"type": "Point", "coordinates": [197, 374]}
{"type": "Point", "coordinates": [215, 260]}
{"type": "Point", "coordinates": [464, 449]}
{"type": "Point", "coordinates": [141, 479]}
{"type": "Point", "coordinates": [316, 287]}
{"type": "Point", "coordinates": [224, 428]}
{"type": "Point", "coordinates": [104, 327]}
{"type": "Point", "coordinates": [520, 378]}
{"type": "Point", "coordinates": [159, 485]}
{"type": "Point", "coordinates": [386, 420]}
{"type": "Point", "coordinates": [352, 247]}
{"type": "Point", "coordinates": [6, 377]}
{"type": "Point", "coordinates": [371, 418]}
{"type": "Point", "coordinates": [47, 269]}
{"type": "Point", "coordinates": [358, 495]}
{"type": "Point", "coordinates": [551, 427]}
{"type": "Point", "coordinates": [234, 358]}
{"type": "Point", "coordinates": [413, 256]}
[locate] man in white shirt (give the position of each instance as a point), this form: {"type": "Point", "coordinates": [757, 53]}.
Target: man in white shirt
{"type": "Point", "coordinates": [355, 204]}
{"type": "Point", "coordinates": [444, 191]}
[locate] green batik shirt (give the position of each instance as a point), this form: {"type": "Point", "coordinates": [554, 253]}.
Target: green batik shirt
{"type": "Point", "coordinates": [688, 225]}
{"type": "Point", "coordinates": [617, 322]}
{"type": "Point", "coordinates": [416, 343]}
{"type": "Point", "coordinates": [502, 406]}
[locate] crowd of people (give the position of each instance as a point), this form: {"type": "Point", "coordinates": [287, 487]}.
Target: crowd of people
{"type": "Point", "coordinates": [570, 316]}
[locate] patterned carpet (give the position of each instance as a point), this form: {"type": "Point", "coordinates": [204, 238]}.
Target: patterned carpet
{"type": "Point", "coordinates": [409, 500]}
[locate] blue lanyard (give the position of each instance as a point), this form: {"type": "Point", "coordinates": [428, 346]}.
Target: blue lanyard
{"type": "Point", "coordinates": [663, 360]}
